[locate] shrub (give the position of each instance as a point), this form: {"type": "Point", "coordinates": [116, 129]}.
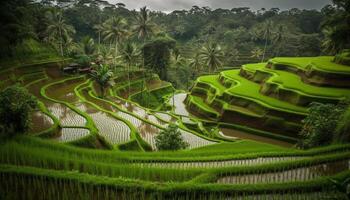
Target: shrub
{"type": "Point", "coordinates": [319, 126]}
{"type": "Point", "coordinates": [343, 57]}
{"type": "Point", "coordinates": [170, 139]}
{"type": "Point", "coordinates": [15, 107]}
{"type": "Point", "coordinates": [83, 60]}
{"type": "Point", "coordinates": [343, 128]}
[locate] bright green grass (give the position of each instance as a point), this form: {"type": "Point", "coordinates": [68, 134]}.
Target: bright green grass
{"type": "Point", "coordinates": [322, 63]}
{"type": "Point", "coordinates": [243, 146]}
{"type": "Point", "coordinates": [213, 80]}
{"type": "Point", "coordinates": [292, 81]}
{"type": "Point", "coordinates": [199, 102]}
{"type": "Point", "coordinates": [250, 90]}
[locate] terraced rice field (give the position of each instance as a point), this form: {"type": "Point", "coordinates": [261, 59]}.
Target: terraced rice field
{"type": "Point", "coordinates": [71, 134]}
{"type": "Point", "coordinates": [166, 117]}
{"type": "Point", "coordinates": [293, 175]}
{"type": "Point", "coordinates": [294, 82]}
{"type": "Point", "coordinates": [219, 164]}
{"type": "Point", "coordinates": [99, 148]}
{"type": "Point", "coordinates": [113, 130]}
{"type": "Point", "coordinates": [65, 115]}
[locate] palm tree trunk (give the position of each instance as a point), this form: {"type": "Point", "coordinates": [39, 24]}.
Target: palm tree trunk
{"type": "Point", "coordinates": [102, 91]}
{"type": "Point", "coordinates": [129, 78]}
{"type": "Point", "coordinates": [99, 41]}
{"type": "Point", "coordinates": [143, 68]}
{"type": "Point", "coordinates": [263, 58]}
{"type": "Point", "coordinates": [61, 42]}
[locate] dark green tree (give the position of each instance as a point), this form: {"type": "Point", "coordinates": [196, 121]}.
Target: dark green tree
{"type": "Point", "coordinates": [170, 139]}
{"type": "Point", "coordinates": [211, 56]}
{"type": "Point", "coordinates": [336, 26]}
{"type": "Point", "coordinates": [103, 75]}
{"type": "Point", "coordinates": [16, 105]}
{"type": "Point", "coordinates": [319, 126]}
{"type": "Point", "coordinates": [157, 54]}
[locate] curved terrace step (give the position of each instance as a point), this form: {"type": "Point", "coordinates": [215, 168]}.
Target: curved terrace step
{"type": "Point", "coordinates": [292, 175]}
{"type": "Point", "coordinates": [289, 87]}
{"type": "Point", "coordinates": [315, 70]}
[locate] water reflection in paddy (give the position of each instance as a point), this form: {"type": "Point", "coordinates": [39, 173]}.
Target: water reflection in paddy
{"type": "Point", "coordinates": [113, 130]}
{"type": "Point", "coordinates": [299, 174]}
{"type": "Point", "coordinates": [71, 134]}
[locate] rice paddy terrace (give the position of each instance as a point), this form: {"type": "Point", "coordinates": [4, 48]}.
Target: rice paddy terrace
{"type": "Point", "coordinates": [272, 96]}
{"type": "Point", "coordinates": [240, 126]}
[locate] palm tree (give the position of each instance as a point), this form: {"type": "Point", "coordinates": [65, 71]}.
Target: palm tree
{"type": "Point", "coordinates": [105, 55]}
{"type": "Point", "coordinates": [129, 53]}
{"type": "Point", "coordinates": [57, 28]}
{"type": "Point", "coordinates": [211, 56]}
{"type": "Point", "coordinates": [256, 53]}
{"type": "Point", "coordinates": [267, 29]}
{"type": "Point", "coordinates": [232, 55]}
{"type": "Point", "coordinates": [103, 75]}
{"type": "Point", "coordinates": [143, 27]}
{"type": "Point", "coordinates": [88, 45]}
{"type": "Point", "coordinates": [196, 64]}
{"type": "Point", "coordinates": [333, 41]}
{"type": "Point", "coordinates": [115, 30]}
{"type": "Point", "coordinates": [279, 37]}
{"type": "Point", "coordinates": [99, 29]}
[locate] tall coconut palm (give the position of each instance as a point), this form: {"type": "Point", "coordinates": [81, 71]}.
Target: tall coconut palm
{"type": "Point", "coordinates": [88, 45]}
{"type": "Point", "coordinates": [211, 55]}
{"type": "Point", "coordinates": [103, 75]}
{"type": "Point", "coordinates": [256, 53]}
{"type": "Point", "coordinates": [279, 37]}
{"type": "Point", "coordinates": [332, 42]}
{"type": "Point", "coordinates": [57, 29]}
{"type": "Point", "coordinates": [267, 30]}
{"type": "Point", "coordinates": [231, 55]}
{"type": "Point", "coordinates": [143, 27]}
{"type": "Point", "coordinates": [195, 64]}
{"type": "Point", "coordinates": [115, 30]}
{"type": "Point", "coordinates": [129, 53]}
{"type": "Point", "coordinates": [99, 29]}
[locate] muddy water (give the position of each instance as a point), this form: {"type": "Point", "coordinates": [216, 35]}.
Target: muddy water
{"type": "Point", "coordinates": [32, 77]}
{"type": "Point", "coordinates": [71, 134]}
{"type": "Point", "coordinates": [54, 72]}
{"type": "Point", "coordinates": [299, 174]}
{"type": "Point", "coordinates": [64, 91]}
{"type": "Point", "coordinates": [148, 131]}
{"type": "Point", "coordinates": [113, 130]}
{"type": "Point", "coordinates": [244, 135]}
{"type": "Point", "coordinates": [40, 122]}
{"type": "Point", "coordinates": [217, 164]}
{"type": "Point", "coordinates": [180, 107]}
{"type": "Point", "coordinates": [65, 115]}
